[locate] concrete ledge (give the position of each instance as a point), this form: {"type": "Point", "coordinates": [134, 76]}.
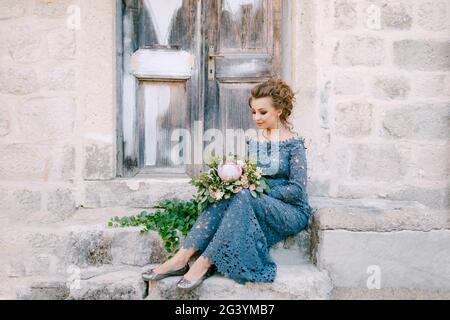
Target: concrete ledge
{"type": "Point", "coordinates": [135, 193]}
{"type": "Point", "coordinates": [413, 260]}
{"type": "Point", "coordinates": [399, 245]}
{"type": "Point", "coordinates": [388, 294]}
{"type": "Point", "coordinates": [376, 215]}
{"type": "Point", "coordinates": [292, 282]}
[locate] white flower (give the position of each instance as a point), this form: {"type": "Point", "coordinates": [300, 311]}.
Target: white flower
{"type": "Point", "coordinates": [219, 195]}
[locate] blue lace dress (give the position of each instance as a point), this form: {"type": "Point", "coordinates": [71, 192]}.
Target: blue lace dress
{"type": "Point", "coordinates": [236, 234]}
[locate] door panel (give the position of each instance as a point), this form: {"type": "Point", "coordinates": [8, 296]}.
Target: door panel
{"type": "Point", "coordinates": [161, 75]}
{"type": "Point", "coordinates": [167, 83]}
{"type": "Point", "coordinates": [247, 46]}
{"type": "Point", "coordinates": [165, 108]}
{"type": "Point", "coordinates": [167, 23]}
{"type": "Point", "coordinates": [244, 26]}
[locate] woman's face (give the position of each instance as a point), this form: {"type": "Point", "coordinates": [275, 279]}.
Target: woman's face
{"type": "Point", "coordinates": [264, 113]}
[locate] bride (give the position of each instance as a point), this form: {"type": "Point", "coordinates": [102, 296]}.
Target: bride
{"type": "Point", "coordinates": [234, 235]}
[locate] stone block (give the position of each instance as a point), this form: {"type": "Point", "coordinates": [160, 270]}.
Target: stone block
{"type": "Point", "coordinates": [432, 15]}
{"type": "Point", "coordinates": [47, 289]}
{"type": "Point", "coordinates": [354, 119]}
{"type": "Point", "coordinates": [12, 9]}
{"type": "Point", "coordinates": [377, 215]}
{"type": "Point", "coordinates": [131, 248]}
{"type": "Point", "coordinates": [429, 85]}
{"type": "Point", "coordinates": [61, 79]}
{"type": "Point", "coordinates": [47, 118]}
{"type": "Point", "coordinates": [425, 121]}
{"type": "Point", "coordinates": [388, 294]}
{"type": "Point", "coordinates": [99, 161]}
{"type": "Point", "coordinates": [390, 87]}
{"type": "Point", "coordinates": [62, 44]}
{"type": "Point", "coordinates": [377, 162]}
{"type": "Point", "coordinates": [422, 55]}
{"type": "Point", "coordinates": [67, 169]}
{"type": "Point", "coordinates": [61, 203]}
{"type": "Point", "coordinates": [348, 84]}
{"type": "Point", "coordinates": [433, 197]}
{"type": "Point", "coordinates": [87, 248]}
{"type": "Point", "coordinates": [119, 285]}
{"type": "Point", "coordinates": [25, 44]}
{"type": "Point", "coordinates": [396, 15]}
{"type": "Point", "coordinates": [19, 80]}
{"type": "Point", "coordinates": [135, 194]}
{"type": "Point", "coordinates": [5, 121]}
{"type": "Point", "coordinates": [403, 259]}
{"type": "Point", "coordinates": [318, 187]}
{"type": "Point", "coordinates": [51, 9]}
{"type": "Point", "coordinates": [34, 164]}
{"type": "Point", "coordinates": [387, 15]}
{"type": "Point", "coordinates": [359, 51]}
{"type": "Point", "coordinates": [430, 162]}
{"type": "Point", "coordinates": [27, 201]}
{"type": "Point", "coordinates": [345, 14]}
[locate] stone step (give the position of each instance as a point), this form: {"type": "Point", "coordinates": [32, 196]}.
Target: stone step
{"type": "Point", "coordinates": [94, 283]}
{"type": "Point", "coordinates": [298, 282]}
{"type": "Point", "coordinates": [124, 283]}
{"type": "Point", "coordinates": [86, 241]}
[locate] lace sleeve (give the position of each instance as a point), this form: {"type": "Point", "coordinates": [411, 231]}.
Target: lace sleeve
{"type": "Point", "coordinates": [295, 190]}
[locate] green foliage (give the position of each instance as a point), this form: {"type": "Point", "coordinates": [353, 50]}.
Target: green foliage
{"type": "Point", "coordinates": [176, 215]}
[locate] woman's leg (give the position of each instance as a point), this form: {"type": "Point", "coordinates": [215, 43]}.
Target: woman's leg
{"type": "Point", "coordinates": [197, 239]}
{"type": "Point", "coordinates": [234, 216]}
{"type": "Point", "coordinates": [179, 260]}
{"type": "Point", "coordinates": [205, 227]}
{"type": "Point", "coordinates": [198, 268]}
{"type": "Point", "coordinates": [239, 248]}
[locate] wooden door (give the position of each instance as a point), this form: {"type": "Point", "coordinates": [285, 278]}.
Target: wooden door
{"type": "Point", "coordinates": [168, 94]}
{"type": "Point", "coordinates": [241, 48]}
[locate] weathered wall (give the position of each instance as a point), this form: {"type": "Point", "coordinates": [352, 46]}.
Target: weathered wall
{"type": "Point", "coordinates": [379, 124]}
{"type": "Point", "coordinates": [376, 110]}
{"type": "Point", "coordinates": [57, 110]}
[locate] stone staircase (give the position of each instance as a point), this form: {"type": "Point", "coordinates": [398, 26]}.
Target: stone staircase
{"type": "Point", "coordinates": [81, 258]}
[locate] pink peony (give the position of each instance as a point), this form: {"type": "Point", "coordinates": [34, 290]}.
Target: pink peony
{"type": "Point", "coordinates": [229, 171]}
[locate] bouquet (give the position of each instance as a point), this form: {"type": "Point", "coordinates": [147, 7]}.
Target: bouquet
{"type": "Point", "coordinates": [227, 177]}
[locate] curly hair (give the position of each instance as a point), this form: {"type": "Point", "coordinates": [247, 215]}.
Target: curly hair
{"type": "Point", "coordinates": [282, 96]}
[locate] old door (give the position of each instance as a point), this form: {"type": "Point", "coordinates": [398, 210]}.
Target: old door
{"type": "Point", "coordinates": [242, 47]}
{"type": "Point", "coordinates": [187, 66]}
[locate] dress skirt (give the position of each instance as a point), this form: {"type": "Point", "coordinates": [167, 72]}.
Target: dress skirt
{"type": "Point", "coordinates": [236, 234]}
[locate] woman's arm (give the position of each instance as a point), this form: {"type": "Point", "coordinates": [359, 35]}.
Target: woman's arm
{"type": "Point", "coordinates": [295, 190]}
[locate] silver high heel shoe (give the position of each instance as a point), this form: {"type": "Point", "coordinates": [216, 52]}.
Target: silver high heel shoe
{"type": "Point", "coordinates": [151, 275]}
{"type": "Point", "coordinates": [185, 284]}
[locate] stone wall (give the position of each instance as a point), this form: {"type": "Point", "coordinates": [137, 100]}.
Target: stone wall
{"type": "Point", "coordinates": [57, 110]}
{"type": "Point", "coordinates": [381, 123]}
{"type": "Point", "coordinates": [379, 129]}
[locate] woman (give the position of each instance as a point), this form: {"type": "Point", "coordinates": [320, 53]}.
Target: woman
{"type": "Point", "coordinates": [234, 235]}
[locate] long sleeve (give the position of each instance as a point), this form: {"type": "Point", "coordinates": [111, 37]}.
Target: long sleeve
{"type": "Point", "coordinates": [295, 191]}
